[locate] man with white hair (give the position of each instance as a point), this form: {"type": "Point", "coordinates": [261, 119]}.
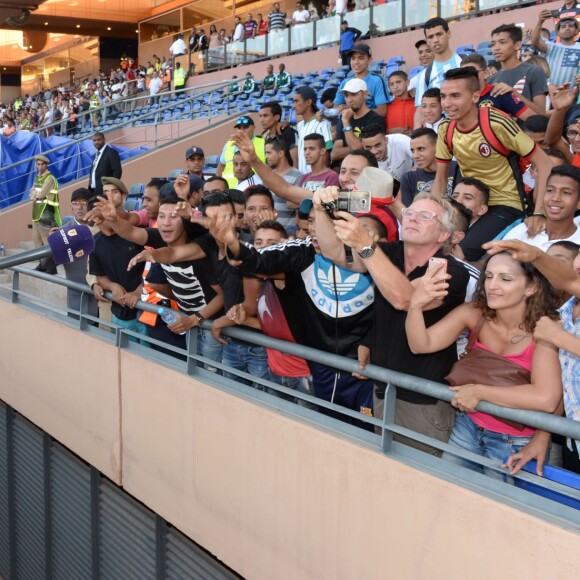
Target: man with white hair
{"type": "Point", "coordinates": [427, 227]}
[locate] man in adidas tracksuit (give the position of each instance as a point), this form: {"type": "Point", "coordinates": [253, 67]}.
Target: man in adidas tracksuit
{"type": "Point", "coordinates": [327, 307]}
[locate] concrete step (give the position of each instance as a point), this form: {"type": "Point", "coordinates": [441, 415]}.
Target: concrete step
{"type": "Point", "coordinates": [5, 278]}
{"type": "Point", "coordinates": [27, 245]}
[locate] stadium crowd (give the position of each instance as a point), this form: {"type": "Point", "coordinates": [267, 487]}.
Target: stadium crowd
{"type": "Point", "coordinates": [464, 259]}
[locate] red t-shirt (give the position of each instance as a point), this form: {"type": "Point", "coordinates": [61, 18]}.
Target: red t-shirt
{"type": "Point", "coordinates": [576, 160]}
{"type": "Point", "coordinates": [400, 113]}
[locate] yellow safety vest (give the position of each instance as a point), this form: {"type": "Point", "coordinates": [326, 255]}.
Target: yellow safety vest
{"type": "Point", "coordinates": [228, 173]}
{"type": "Point", "coordinates": [50, 202]}
{"type": "Point", "coordinates": [178, 77]}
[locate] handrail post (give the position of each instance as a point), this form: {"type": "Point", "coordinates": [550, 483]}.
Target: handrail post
{"type": "Point", "coordinates": [388, 417]}
{"type": "Point", "coordinates": [15, 287]}
{"type": "Point", "coordinates": [192, 338]}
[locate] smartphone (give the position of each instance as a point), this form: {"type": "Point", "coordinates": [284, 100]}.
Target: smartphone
{"type": "Point", "coordinates": [354, 201]}
{"type": "Point", "coordinates": [555, 13]}
{"type": "Point", "coordinates": [437, 263]}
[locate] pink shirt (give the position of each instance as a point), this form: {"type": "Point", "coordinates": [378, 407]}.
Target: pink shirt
{"type": "Point", "coordinates": [491, 423]}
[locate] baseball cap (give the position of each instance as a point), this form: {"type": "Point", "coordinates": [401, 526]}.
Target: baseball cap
{"type": "Point", "coordinates": [116, 182]}
{"type": "Point", "coordinates": [194, 151]}
{"type": "Point", "coordinates": [354, 86]}
{"type": "Point", "coordinates": [82, 193]}
{"type": "Point", "coordinates": [361, 48]}
{"type": "Point", "coordinates": [195, 183]}
{"type": "Point", "coordinates": [244, 122]}
{"type": "Point", "coordinates": [308, 93]}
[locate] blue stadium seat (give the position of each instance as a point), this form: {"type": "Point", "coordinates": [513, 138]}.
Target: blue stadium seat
{"type": "Point", "coordinates": [396, 60]}
{"type": "Point", "coordinates": [415, 71]}
{"type": "Point", "coordinates": [211, 162]}
{"type": "Point", "coordinates": [465, 49]}
{"type": "Point", "coordinates": [136, 190]}
{"type": "Point", "coordinates": [559, 475]}
{"type": "Point", "coordinates": [131, 205]}
{"type": "Point", "coordinates": [174, 174]}
{"type": "Point", "coordinates": [327, 71]}
{"type": "Point", "coordinates": [485, 45]}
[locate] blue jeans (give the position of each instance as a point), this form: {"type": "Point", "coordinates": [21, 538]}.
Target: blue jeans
{"type": "Point", "coordinates": [133, 325]}
{"type": "Point", "coordinates": [300, 384]}
{"type": "Point", "coordinates": [209, 347]}
{"type": "Point", "coordinates": [246, 357]}
{"type": "Point", "coordinates": [468, 435]}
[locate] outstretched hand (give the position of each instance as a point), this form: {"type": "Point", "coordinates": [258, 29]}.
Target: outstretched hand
{"type": "Point", "coordinates": [519, 251]}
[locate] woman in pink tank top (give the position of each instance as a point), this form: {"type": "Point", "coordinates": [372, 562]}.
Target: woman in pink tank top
{"type": "Point", "coordinates": [511, 297]}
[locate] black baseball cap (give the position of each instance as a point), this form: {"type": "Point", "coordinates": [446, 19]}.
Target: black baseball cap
{"type": "Point", "coordinates": [361, 48]}
{"type": "Point", "coordinates": [81, 193]}
{"type": "Point", "coordinates": [194, 151]}
{"type": "Point", "coordinates": [308, 93]}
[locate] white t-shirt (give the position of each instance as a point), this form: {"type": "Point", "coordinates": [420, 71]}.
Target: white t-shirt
{"type": "Point", "coordinates": [178, 47]}
{"type": "Point", "coordinates": [541, 240]}
{"type": "Point", "coordinates": [238, 32]}
{"type": "Point", "coordinates": [301, 15]}
{"type": "Point", "coordinates": [155, 85]}
{"type": "Point", "coordinates": [399, 159]}
{"type": "Point", "coordinates": [252, 180]}
{"type": "Point", "coordinates": [305, 128]}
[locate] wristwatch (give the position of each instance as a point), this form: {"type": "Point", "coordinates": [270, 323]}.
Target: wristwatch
{"type": "Point", "coordinates": [368, 251]}
{"type": "Point", "coordinates": [200, 318]}
{"type": "Point", "coordinates": [347, 128]}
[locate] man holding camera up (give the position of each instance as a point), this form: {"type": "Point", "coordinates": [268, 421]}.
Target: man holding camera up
{"type": "Point", "coordinates": [427, 226]}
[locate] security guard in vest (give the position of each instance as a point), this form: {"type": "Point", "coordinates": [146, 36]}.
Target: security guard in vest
{"type": "Point", "coordinates": [179, 77]}
{"type": "Point", "coordinates": [225, 167]}
{"type": "Point", "coordinates": [45, 209]}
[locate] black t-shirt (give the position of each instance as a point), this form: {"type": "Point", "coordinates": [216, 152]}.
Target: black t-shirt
{"type": "Point", "coordinates": [420, 181]}
{"type": "Point", "coordinates": [191, 282]}
{"type": "Point", "coordinates": [111, 257]}
{"type": "Point", "coordinates": [371, 118]}
{"type": "Point", "coordinates": [288, 135]}
{"type": "Point", "coordinates": [229, 278]}
{"type": "Point", "coordinates": [388, 340]}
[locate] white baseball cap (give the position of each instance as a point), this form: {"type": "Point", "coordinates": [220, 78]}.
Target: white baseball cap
{"type": "Point", "coordinates": [354, 86]}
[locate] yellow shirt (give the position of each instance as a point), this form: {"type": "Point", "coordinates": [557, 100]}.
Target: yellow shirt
{"type": "Point", "coordinates": [477, 158]}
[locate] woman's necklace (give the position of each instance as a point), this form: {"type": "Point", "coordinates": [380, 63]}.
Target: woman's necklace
{"type": "Point", "coordinates": [519, 337]}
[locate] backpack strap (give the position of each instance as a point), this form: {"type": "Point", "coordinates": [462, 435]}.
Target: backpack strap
{"type": "Point", "coordinates": [489, 135]}
{"type": "Point", "coordinates": [449, 135]}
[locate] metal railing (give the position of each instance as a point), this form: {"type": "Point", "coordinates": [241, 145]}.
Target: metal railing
{"type": "Point", "coordinates": [192, 364]}
{"type": "Point", "coordinates": [151, 118]}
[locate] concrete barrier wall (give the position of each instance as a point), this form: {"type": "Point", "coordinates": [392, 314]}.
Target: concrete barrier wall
{"type": "Point", "coordinates": [271, 497]}
{"type": "Point", "coordinates": [65, 382]}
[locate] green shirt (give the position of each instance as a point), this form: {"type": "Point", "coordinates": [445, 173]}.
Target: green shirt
{"type": "Point", "coordinates": [233, 88]}
{"type": "Point", "coordinates": [269, 81]}
{"type": "Point", "coordinates": [283, 80]}
{"type": "Point", "coordinates": [249, 85]}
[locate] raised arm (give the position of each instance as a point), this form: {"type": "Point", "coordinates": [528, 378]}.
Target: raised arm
{"type": "Point", "coordinates": [105, 209]}
{"type": "Point", "coordinates": [429, 289]}
{"type": "Point", "coordinates": [537, 32]}
{"type": "Point", "coordinates": [562, 277]}
{"type": "Point", "coordinates": [271, 180]}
